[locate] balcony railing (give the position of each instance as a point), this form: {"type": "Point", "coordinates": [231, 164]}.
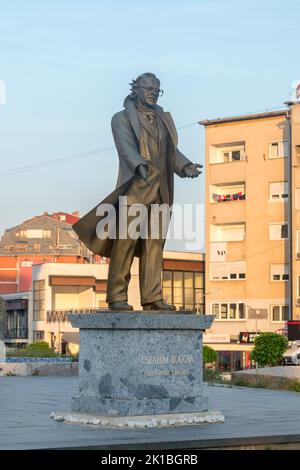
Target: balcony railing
{"type": "Point", "coordinates": [63, 315]}
{"type": "Point", "coordinates": [228, 197]}
{"type": "Point", "coordinates": [16, 333]}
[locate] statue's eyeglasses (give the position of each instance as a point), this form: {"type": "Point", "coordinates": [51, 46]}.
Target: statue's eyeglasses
{"type": "Point", "coordinates": [150, 89]}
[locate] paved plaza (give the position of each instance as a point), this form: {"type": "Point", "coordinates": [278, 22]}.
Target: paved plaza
{"type": "Point", "coordinates": [250, 415]}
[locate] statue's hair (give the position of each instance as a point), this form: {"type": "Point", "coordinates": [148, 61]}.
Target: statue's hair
{"type": "Point", "coordinates": [135, 83]}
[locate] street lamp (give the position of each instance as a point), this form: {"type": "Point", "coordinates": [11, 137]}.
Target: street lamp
{"type": "Point", "coordinates": [256, 310]}
{"type": "Point", "coordinates": [204, 295]}
{"type": "Point", "coordinates": [256, 314]}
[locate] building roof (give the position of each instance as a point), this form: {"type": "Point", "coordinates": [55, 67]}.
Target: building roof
{"type": "Point", "coordinates": [64, 216]}
{"type": "Point", "coordinates": [244, 117]}
{"type": "Point", "coordinates": [61, 216]}
{"type": "Point", "coordinates": [46, 234]}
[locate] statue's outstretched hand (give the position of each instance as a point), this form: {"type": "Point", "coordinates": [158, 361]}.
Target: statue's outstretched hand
{"type": "Point", "coordinates": [192, 170]}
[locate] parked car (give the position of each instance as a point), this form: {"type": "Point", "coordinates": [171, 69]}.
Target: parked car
{"type": "Point", "coordinates": [292, 356]}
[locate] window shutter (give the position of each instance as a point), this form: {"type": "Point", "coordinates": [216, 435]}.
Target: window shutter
{"type": "Point", "coordinates": [219, 270]}
{"type": "Point", "coordinates": [275, 231]}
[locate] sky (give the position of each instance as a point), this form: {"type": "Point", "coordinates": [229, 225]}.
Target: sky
{"type": "Point", "coordinates": [67, 67]}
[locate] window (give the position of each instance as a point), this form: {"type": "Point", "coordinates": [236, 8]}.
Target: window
{"type": "Point", "coordinates": [18, 247]}
{"type": "Point", "coordinates": [39, 300]}
{"type": "Point", "coordinates": [297, 152]}
{"type": "Point", "coordinates": [178, 289]}
{"type": "Point", "coordinates": [167, 278]}
{"type": "Point", "coordinates": [280, 313]}
{"type": "Point", "coordinates": [279, 191]}
{"type": "Point", "coordinates": [215, 310]}
{"type": "Point", "coordinates": [189, 290]}
{"type": "Point", "coordinates": [278, 231]}
{"type": "Point", "coordinates": [101, 300]}
{"type": "Point", "coordinates": [38, 335]}
{"type": "Point", "coordinates": [236, 155]}
{"type": "Point", "coordinates": [228, 271]}
{"type": "Point", "coordinates": [184, 289]}
{"type": "Point", "coordinates": [298, 244]}
{"type": "Point", "coordinates": [242, 311]}
{"type": "Point", "coordinates": [21, 233]}
{"type": "Point", "coordinates": [227, 153]}
{"type": "Point", "coordinates": [229, 311]}
{"type": "Point", "coordinates": [279, 272]}
{"type": "Point", "coordinates": [224, 311]}
{"type": "Point", "coordinates": [46, 233]}
{"type": "Point", "coordinates": [279, 149]}
{"type": "Point", "coordinates": [232, 311]}
{"type": "Point", "coordinates": [298, 287]}
{"type": "Point", "coordinates": [227, 233]}
{"type": "Point", "coordinates": [231, 156]}
{"type": "Point", "coordinates": [34, 233]}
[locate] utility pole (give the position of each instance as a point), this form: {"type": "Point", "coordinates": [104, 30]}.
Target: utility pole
{"type": "Point", "coordinates": [289, 115]}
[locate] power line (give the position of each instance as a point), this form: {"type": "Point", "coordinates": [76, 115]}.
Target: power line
{"type": "Point", "coordinates": [265, 251]}
{"type": "Point", "coordinates": [56, 161]}
{"type": "Point", "coordinates": [187, 125]}
{"type": "Point", "coordinates": [92, 153]}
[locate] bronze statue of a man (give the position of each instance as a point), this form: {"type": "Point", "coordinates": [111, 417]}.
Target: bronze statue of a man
{"type": "Point", "coordinates": [146, 140]}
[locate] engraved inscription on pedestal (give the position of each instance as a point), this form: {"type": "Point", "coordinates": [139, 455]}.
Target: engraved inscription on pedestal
{"type": "Point", "coordinates": [170, 360]}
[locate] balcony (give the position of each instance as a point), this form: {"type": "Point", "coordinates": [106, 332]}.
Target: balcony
{"type": "Point", "coordinates": [227, 192]}
{"type": "Point", "coordinates": [230, 232]}
{"type": "Point", "coordinates": [228, 197]}
{"type": "Point", "coordinates": [16, 333]}
{"type": "Point", "coordinates": [227, 152]}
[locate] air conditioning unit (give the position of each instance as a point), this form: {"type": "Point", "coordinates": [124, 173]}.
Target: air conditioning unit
{"type": "Point", "coordinates": [298, 301]}
{"type": "Point", "coordinates": [298, 255]}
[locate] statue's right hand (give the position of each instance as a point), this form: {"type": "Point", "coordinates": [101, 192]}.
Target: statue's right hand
{"type": "Point", "coordinates": [143, 172]}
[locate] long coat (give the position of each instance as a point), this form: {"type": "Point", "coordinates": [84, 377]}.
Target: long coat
{"type": "Point", "coordinates": [126, 132]}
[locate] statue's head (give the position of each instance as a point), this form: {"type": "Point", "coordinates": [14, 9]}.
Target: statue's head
{"type": "Point", "coordinates": [145, 90]}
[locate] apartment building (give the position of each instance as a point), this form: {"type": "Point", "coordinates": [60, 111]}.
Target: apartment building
{"type": "Point", "coordinates": [252, 228]}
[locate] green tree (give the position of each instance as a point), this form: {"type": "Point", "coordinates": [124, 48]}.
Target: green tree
{"type": "Point", "coordinates": [209, 355]}
{"type": "Point", "coordinates": [268, 348]}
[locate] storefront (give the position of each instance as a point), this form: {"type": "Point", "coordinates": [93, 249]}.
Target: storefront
{"type": "Point", "coordinates": [232, 354]}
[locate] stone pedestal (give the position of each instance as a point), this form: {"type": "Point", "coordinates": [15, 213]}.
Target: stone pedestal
{"type": "Point", "coordinates": [137, 364]}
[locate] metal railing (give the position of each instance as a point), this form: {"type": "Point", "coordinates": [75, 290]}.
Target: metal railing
{"type": "Point", "coordinates": [63, 315]}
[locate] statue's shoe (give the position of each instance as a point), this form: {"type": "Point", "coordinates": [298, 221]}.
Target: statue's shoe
{"type": "Point", "coordinates": [159, 305]}
{"type": "Point", "coordinates": [120, 306]}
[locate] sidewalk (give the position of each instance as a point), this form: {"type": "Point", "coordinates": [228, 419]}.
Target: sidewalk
{"type": "Point", "coordinates": [289, 372]}
{"type": "Point", "coordinates": [26, 403]}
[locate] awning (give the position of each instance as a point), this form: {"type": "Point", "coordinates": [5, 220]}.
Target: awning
{"type": "Point", "coordinates": [70, 337]}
